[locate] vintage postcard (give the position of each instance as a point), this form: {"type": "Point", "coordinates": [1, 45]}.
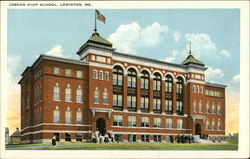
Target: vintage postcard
{"type": "Point", "coordinates": [124, 79]}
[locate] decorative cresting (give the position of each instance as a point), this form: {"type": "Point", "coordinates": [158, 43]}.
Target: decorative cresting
{"type": "Point", "coordinates": [101, 110]}
{"type": "Point", "coordinates": [194, 117]}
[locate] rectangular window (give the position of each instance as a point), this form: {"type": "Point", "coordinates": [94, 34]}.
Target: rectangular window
{"type": "Point", "coordinates": [169, 105]}
{"type": "Point", "coordinates": [131, 138]}
{"type": "Point", "coordinates": [169, 123]}
{"type": "Point", "coordinates": [100, 75]}
{"type": "Point", "coordinates": [118, 120]}
{"type": "Point", "coordinates": [200, 107]}
{"type": "Point", "coordinates": [68, 72]}
{"type": "Point", "coordinates": [145, 122]}
{"type": "Point", "coordinates": [78, 74]}
{"type": "Point", "coordinates": [79, 95]}
{"type": "Point", "coordinates": [131, 101]}
{"type": "Point", "coordinates": [107, 76]}
{"type": "Point", "coordinates": [57, 71]}
{"type": "Point", "coordinates": [157, 138]}
{"type": "Point", "coordinates": [145, 138]}
{"type": "Point", "coordinates": [179, 124]}
{"type": "Point", "coordinates": [56, 93]}
{"type": "Point", "coordinates": [157, 122]}
{"type": "Point", "coordinates": [79, 117]}
{"type": "Point", "coordinates": [119, 80]}
{"type": "Point", "coordinates": [132, 121]}
{"type": "Point", "coordinates": [95, 74]}
{"type": "Point", "coordinates": [56, 116]}
{"type": "Point", "coordinates": [68, 117]}
{"type": "Point", "coordinates": [68, 95]}
{"type": "Point", "coordinates": [157, 104]}
{"type": "Point", "coordinates": [179, 106]}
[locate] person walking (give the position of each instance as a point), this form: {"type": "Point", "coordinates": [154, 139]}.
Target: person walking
{"type": "Point", "coordinates": [54, 141]}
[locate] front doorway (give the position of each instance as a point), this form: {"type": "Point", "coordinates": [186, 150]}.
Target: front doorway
{"type": "Point", "coordinates": [101, 126]}
{"type": "Point", "coordinates": [198, 129]}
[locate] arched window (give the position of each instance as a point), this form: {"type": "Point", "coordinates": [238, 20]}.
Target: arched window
{"type": "Point", "coordinates": [198, 89]}
{"type": "Point", "coordinates": [105, 96]}
{"type": "Point", "coordinates": [145, 91]}
{"type": "Point", "coordinates": [56, 92]}
{"type": "Point", "coordinates": [79, 97]}
{"type": "Point", "coordinates": [200, 107]}
{"type": "Point", "coordinates": [194, 105]}
{"type": "Point", "coordinates": [157, 93]}
{"type": "Point", "coordinates": [117, 76]}
{"type": "Point", "coordinates": [201, 89]}
{"type": "Point", "coordinates": [79, 116]}
{"type": "Point", "coordinates": [68, 116]}
{"type": "Point", "coordinates": [145, 80]}
{"type": "Point", "coordinates": [131, 78]}
{"type": "Point", "coordinates": [168, 84]}
{"type": "Point", "coordinates": [194, 88]}
{"type": "Point", "coordinates": [56, 115]}
{"type": "Point", "coordinates": [96, 96]}
{"type": "Point", "coordinates": [179, 85]}
{"type": "Point", "coordinates": [68, 95]}
{"type": "Point", "coordinates": [157, 82]}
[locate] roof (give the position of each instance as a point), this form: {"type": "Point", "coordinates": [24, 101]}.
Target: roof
{"type": "Point", "coordinates": [96, 41]}
{"type": "Point", "coordinates": [17, 133]}
{"type": "Point", "coordinates": [192, 60]}
{"type": "Point", "coordinates": [215, 85]}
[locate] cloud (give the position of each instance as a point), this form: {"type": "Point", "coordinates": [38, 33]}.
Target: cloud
{"type": "Point", "coordinates": [213, 75]}
{"type": "Point", "coordinates": [56, 51]}
{"type": "Point", "coordinates": [225, 53]}
{"type": "Point", "coordinates": [236, 78]}
{"type": "Point", "coordinates": [128, 38]}
{"type": "Point", "coordinates": [176, 36]}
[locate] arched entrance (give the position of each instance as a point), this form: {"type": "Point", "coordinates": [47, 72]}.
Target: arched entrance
{"type": "Point", "coordinates": [101, 126]}
{"type": "Point", "coordinates": [198, 129]}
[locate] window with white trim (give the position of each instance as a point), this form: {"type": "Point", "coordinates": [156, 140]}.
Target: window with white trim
{"type": "Point", "coordinates": [207, 124]}
{"type": "Point", "coordinates": [219, 124]}
{"type": "Point", "coordinates": [207, 108]}
{"type": "Point", "coordinates": [78, 74]}
{"type": "Point", "coordinates": [219, 109]}
{"type": "Point", "coordinates": [213, 124]}
{"type": "Point", "coordinates": [179, 124]}
{"type": "Point", "coordinates": [56, 114]}
{"type": "Point", "coordinates": [106, 77]}
{"type": "Point", "coordinates": [57, 92]}
{"type": "Point", "coordinates": [68, 72]}
{"type": "Point", "coordinates": [144, 102]}
{"type": "Point", "coordinates": [131, 101]}
{"type": "Point", "coordinates": [105, 96]}
{"type": "Point", "coordinates": [194, 105]}
{"type": "Point", "coordinates": [169, 104]}
{"type": "Point", "coordinates": [79, 96]}
{"type": "Point", "coordinates": [79, 116]}
{"type": "Point", "coordinates": [179, 106]}
{"type": "Point", "coordinates": [96, 96]}
{"type": "Point", "coordinates": [200, 106]}
{"type": "Point", "coordinates": [169, 123]}
{"type": "Point", "coordinates": [68, 94]}
{"type": "Point", "coordinates": [194, 88]}
{"type": "Point", "coordinates": [68, 115]}
{"type": "Point", "coordinates": [213, 108]}
{"type": "Point", "coordinates": [132, 121]}
{"type": "Point", "coordinates": [100, 75]}
{"type": "Point", "coordinates": [118, 120]}
{"type": "Point", "coordinates": [95, 74]}
{"type": "Point", "coordinates": [56, 71]}
{"type": "Point", "coordinates": [157, 122]}
{"type": "Point", "coordinates": [144, 121]}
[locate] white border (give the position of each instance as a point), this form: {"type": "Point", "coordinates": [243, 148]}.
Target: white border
{"type": "Point", "coordinates": [243, 151]}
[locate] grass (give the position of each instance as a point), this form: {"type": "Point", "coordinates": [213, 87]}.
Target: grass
{"type": "Point", "coordinates": [232, 145]}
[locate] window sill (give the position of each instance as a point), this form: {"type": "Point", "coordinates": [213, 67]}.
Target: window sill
{"type": "Point", "coordinates": [79, 102]}
{"type": "Point", "coordinates": [57, 100]}
{"type": "Point", "coordinates": [96, 103]}
{"type": "Point", "coordinates": [105, 104]}
{"type": "Point", "coordinates": [69, 101]}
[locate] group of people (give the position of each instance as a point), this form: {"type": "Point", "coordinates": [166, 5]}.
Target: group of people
{"type": "Point", "coordinates": [98, 137]}
{"type": "Point", "coordinates": [184, 138]}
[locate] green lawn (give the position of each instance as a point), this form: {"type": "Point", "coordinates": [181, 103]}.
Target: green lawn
{"type": "Point", "coordinates": [125, 146]}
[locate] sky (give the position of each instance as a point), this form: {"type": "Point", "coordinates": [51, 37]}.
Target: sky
{"type": "Point", "coordinates": [162, 34]}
